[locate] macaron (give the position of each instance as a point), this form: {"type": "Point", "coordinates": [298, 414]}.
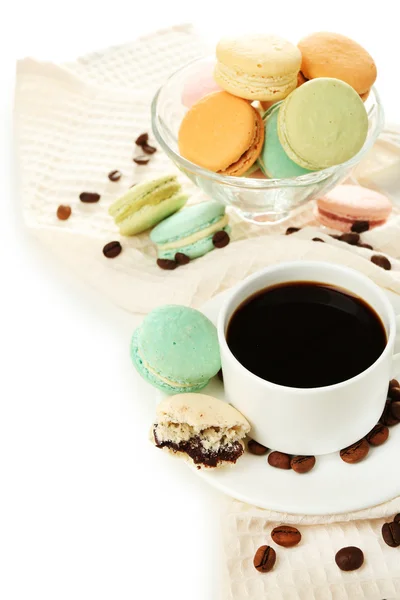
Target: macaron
{"type": "Point", "coordinates": [273, 160]}
{"type": "Point", "coordinates": [353, 208]}
{"type": "Point", "coordinates": [267, 104]}
{"type": "Point", "coordinates": [146, 204]}
{"type": "Point", "coordinates": [194, 231]}
{"type": "Point", "coordinates": [322, 123]}
{"type": "Point", "coordinates": [199, 83]}
{"type": "Point", "coordinates": [222, 133]}
{"type": "Point", "coordinates": [257, 67]}
{"type": "Point", "coordinates": [327, 54]}
{"type": "Point", "coordinates": [176, 349]}
{"type": "Point", "coordinates": [202, 429]}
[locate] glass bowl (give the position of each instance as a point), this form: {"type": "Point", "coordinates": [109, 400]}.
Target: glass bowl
{"type": "Point", "coordinates": [256, 200]}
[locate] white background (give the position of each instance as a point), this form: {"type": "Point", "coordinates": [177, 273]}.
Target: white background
{"type": "Point", "coordinates": [88, 508]}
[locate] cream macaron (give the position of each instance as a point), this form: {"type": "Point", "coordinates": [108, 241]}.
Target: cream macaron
{"type": "Point", "coordinates": [257, 67]}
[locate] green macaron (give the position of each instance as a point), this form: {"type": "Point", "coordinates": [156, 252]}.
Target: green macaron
{"type": "Point", "coordinates": [191, 231]}
{"type": "Point", "coordinates": [273, 160]}
{"type": "Point", "coordinates": [322, 123]}
{"type": "Point", "coordinates": [176, 349]}
{"type": "Point", "coordinates": [146, 204]}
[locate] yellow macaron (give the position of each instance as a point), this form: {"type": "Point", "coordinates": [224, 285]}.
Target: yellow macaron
{"type": "Point", "coordinates": [222, 133]}
{"type": "Point", "coordinates": [257, 67]}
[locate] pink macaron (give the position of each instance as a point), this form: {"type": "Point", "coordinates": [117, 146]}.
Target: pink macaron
{"type": "Point", "coordinates": [353, 208]}
{"type": "Point", "coordinates": [199, 83]}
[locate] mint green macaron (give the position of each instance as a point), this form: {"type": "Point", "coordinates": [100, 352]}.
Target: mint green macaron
{"type": "Point", "coordinates": [322, 123]}
{"type": "Point", "coordinates": [190, 231]}
{"type": "Point", "coordinates": [176, 349]}
{"type": "Point", "coordinates": [273, 160]}
{"type": "Point", "coordinates": [146, 204]}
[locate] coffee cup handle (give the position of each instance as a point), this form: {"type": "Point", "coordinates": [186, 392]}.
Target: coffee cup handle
{"type": "Point", "coordinates": [396, 355]}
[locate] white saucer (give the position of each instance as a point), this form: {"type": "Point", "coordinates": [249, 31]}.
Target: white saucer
{"type": "Point", "coordinates": [333, 486]}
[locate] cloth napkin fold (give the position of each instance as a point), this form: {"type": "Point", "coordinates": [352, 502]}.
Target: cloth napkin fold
{"type": "Point", "coordinates": [74, 124]}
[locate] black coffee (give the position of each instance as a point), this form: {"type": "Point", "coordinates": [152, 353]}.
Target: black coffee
{"type": "Point", "coordinates": [305, 335]}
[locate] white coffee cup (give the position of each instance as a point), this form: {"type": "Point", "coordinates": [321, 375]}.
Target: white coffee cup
{"type": "Point", "coordinates": [317, 420]}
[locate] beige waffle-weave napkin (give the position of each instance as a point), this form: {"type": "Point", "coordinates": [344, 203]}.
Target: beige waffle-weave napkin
{"type": "Point", "coordinates": [74, 124]}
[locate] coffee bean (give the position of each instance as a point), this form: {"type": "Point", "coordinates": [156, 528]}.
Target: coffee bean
{"type": "Point", "coordinates": [395, 409]}
{"type": "Point", "coordinates": [112, 249]}
{"type": "Point", "coordinates": [388, 417]}
{"type": "Point", "coordinates": [279, 460]}
{"type": "Point", "coordinates": [63, 212]}
{"type": "Point", "coordinates": [360, 226]}
{"type": "Point", "coordinates": [394, 393]}
{"type": "Point", "coordinates": [220, 375]}
{"type": "Point", "coordinates": [391, 534]}
{"type": "Point", "coordinates": [147, 149]}
{"type": "Point", "coordinates": [397, 518]}
{"type": "Point", "coordinates": [349, 559]}
{"type": "Point", "coordinates": [264, 559]}
{"type": "Point", "coordinates": [255, 448]}
{"type": "Point", "coordinates": [220, 239]}
{"type": "Point", "coordinates": [114, 175]}
{"type": "Point", "coordinates": [286, 536]}
{"type": "Point", "coordinates": [302, 464]}
{"type": "Point", "coordinates": [335, 236]}
{"type": "Point", "coordinates": [291, 230]}
{"type": "Point", "coordinates": [393, 383]}
{"type": "Point", "coordinates": [141, 160]}
{"type": "Point", "coordinates": [350, 238]}
{"type": "Point", "coordinates": [89, 197]}
{"type": "Point", "coordinates": [356, 452]}
{"type": "Point", "coordinates": [381, 261]}
{"type": "Point", "coordinates": [182, 259]}
{"type": "Point", "coordinates": [317, 239]}
{"type": "Point", "coordinates": [367, 246]}
{"type": "Point", "coordinates": [142, 139]}
{"type": "Point", "coordinates": [166, 264]}
{"type": "Point", "coordinates": [378, 435]}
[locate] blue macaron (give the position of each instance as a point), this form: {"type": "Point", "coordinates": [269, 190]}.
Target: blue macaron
{"type": "Point", "coordinates": [176, 349]}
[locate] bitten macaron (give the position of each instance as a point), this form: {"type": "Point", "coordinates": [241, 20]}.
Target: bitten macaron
{"type": "Point", "coordinates": [192, 232]}
{"type": "Point", "coordinates": [322, 123]}
{"type": "Point", "coordinates": [146, 204]}
{"type": "Point", "coordinates": [222, 133]}
{"type": "Point", "coordinates": [326, 54]}
{"type": "Point", "coordinates": [348, 207]}
{"type": "Point", "coordinates": [176, 349]}
{"type": "Point", "coordinates": [257, 67]}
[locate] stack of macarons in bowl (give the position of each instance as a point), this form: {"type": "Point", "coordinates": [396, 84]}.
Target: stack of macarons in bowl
{"type": "Point", "coordinates": [268, 125]}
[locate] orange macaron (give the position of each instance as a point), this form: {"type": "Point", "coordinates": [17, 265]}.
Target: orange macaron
{"type": "Point", "coordinates": [222, 133]}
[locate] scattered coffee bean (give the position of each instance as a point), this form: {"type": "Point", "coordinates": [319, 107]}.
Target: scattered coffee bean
{"type": "Point", "coordinates": [112, 249]}
{"type": "Point", "coordinates": [391, 534]}
{"type": "Point", "coordinates": [317, 239]}
{"type": "Point", "coordinates": [349, 559]}
{"type": "Point", "coordinates": [356, 452]}
{"type": "Point", "coordinates": [367, 246]}
{"type": "Point", "coordinates": [381, 261]}
{"type": "Point", "coordinates": [350, 238]}
{"type": "Point", "coordinates": [395, 409]}
{"type": "Point", "coordinates": [302, 464]}
{"type": "Point", "coordinates": [114, 175]}
{"type": "Point", "coordinates": [63, 212]}
{"type": "Point", "coordinates": [388, 417]}
{"type": "Point", "coordinates": [393, 383]}
{"type": "Point", "coordinates": [182, 259]}
{"type": "Point", "coordinates": [166, 264]}
{"type": "Point", "coordinates": [264, 559]}
{"type": "Point", "coordinates": [89, 197]}
{"type": "Point", "coordinates": [142, 139]}
{"type": "Point", "coordinates": [291, 230]}
{"type": "Point", "coordinates": [220, 239]}
{"type": "Point", "coordinates": [255, 448]}
{"type": "Point", "coordinates": [394, 393]}
{"type": "Point", "coordinates": [279, 460]}
{"type": "Point", "coordinates": [220, 375]}
{"type": "Point", "coordinates": [335, 236]}
{"type": "Point", "coordinates": [141, 160]}
{"type": "Point", "coordinates": [378, 435]}
{"type": "Point", "coordinates": [286, 536]}
{"type": "Point", "coordinates": [360, 226]}
{"type": "Point", "coordinates": [397, 518]}
{"type": "Point", "coordinates": [147, 149]}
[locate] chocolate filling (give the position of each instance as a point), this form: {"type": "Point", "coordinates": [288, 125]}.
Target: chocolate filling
{"type": "Point", "coordinates": [200, 456]}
